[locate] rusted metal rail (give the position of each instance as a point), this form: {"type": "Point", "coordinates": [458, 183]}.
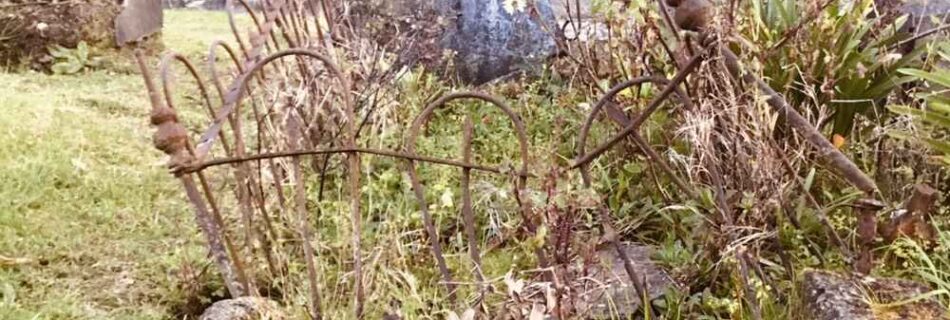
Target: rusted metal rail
{"type": "Point", "coordinates": [268, 140]}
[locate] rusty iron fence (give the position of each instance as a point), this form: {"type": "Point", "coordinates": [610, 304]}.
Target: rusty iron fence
{"type": "Point", "coordinates": [260, 141]}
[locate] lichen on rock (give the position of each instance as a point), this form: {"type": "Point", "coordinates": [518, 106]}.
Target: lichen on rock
{"type": "Point", "coordinates": [832, 296]}
{"type": "Point", "coordinates": [243, 308]}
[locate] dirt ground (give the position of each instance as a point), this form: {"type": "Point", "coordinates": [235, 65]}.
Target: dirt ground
{"type": "Point", "coordinates": [29, 28]}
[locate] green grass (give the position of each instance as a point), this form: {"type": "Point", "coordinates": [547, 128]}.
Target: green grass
{"type": "Point", "coordinates": [85, 197]}
{"type": "Point", "coordinates": [191, 31]}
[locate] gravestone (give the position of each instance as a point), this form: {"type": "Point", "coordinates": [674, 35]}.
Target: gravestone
{"type": "Point", "coordinates": [138, 19]}
{"type": "Point", "coordinates": [488, 39]}
{"type": "Point", "coordinates": [492, 39]}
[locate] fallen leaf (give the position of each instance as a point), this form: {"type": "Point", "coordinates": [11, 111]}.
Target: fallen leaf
{"type": "Point", "coordinates": [469, 314]}
{"type": "Point", "coordinates": [537, 312]}
{"type": "Point", "coordinates": [8, 261]}
{"type": "Point", "coordinates": [549, 296]}
{"type": "Point", "coordinates": [838, 141]}
{"type": "Point", "coordinates": [515, 286]}
{"type": "Point", "coordinates": [447, 199]}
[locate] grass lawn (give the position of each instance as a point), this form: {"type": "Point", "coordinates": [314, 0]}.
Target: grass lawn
{"type": "Point", "coordinates": [97, 228]}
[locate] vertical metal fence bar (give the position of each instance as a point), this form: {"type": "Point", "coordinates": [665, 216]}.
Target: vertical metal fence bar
{"type": "Point", "coordinates": [434, 242]}
{"type": "Point", "coordinates": [467, 215]}
{"type": "Point", "coordinates": [300, 193]}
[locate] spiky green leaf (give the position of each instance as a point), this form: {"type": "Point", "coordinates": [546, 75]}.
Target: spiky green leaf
{"type": "Point", "coordinates": [925, 115]}
{"type": "Point", "coordinates": [941, 77]}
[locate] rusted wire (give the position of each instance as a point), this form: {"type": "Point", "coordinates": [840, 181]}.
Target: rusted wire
{"type": "Point", "coordinates": [165, 67]}
{"type": "Point", "coordinates": [293, 137]}
{"type": "Point", "coordinates": [229, 8]}
{"type": "Point", "coordinates": [378, 152]}
{"type": "Point", "coordinates": [631, 129]}
{"type": "Point", "coordinates": [233, 100]}
{"type": "Point", "coordinates": [188, 161]}
{"type": "Point", "coordinates": [230, 110]}
{"type": "Point", "coordinates": [212, 67]}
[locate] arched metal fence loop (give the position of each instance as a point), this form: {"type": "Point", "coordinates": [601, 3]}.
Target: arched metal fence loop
{"type": "Point", "coordinates": [468, 216]}
{"type": "Point", "coordinates": [233, 102]}
{"type": "Point", "coordinates": [165, 74]}
{"type": "Point", "coordinates": [212, 66]}
{"type": "Point", "coordinates": [635, 135]}
{"type": "Point", "coordinates": [631, 129]}
{"type": "Point", "coordinates": [236, 94]}
{"type": "Point", "coordinates": [423, 118]}
{"type": "Point", "coordinates": [245, 181]}
{"type": "Point", "coordinates": [229, 8]}
{"type": "Point", "coordinates": [634, 125]}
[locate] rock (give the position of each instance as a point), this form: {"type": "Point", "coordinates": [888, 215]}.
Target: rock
{"type": "Point", "coordinates": [491, 42]}
{"type": "Point", "coordinates": [832, 296]}
{"type": "Point", "coordinates": [614, 295]}
{"type": "Point", "coordinates": [920, 15]}
{"type": "Point", "coordinates": [926, 8]}
{"type": "Point", "coordinates": [585, 24]}
{"type": "Point", "coordinates": [561, 8]}
{"type": "Point", "coordinates": [243, 308]}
